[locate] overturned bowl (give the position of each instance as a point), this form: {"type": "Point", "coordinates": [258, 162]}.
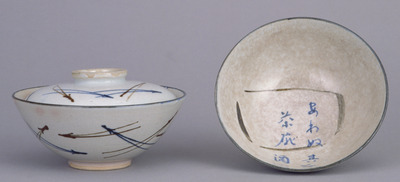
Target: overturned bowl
{"type": "Point", "coordinates": [101, 121]}
{"type": "Point", "coordinates": [301, 94]}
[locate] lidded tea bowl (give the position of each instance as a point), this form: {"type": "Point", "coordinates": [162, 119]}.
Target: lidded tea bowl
{"type": "Point", "coordinates": [101, 121]}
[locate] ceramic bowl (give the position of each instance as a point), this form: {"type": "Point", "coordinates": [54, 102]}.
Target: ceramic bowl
{"type": "Point", "coordinates": [301, 94]}
{"type": "Point", "coordinates": [101, 121]}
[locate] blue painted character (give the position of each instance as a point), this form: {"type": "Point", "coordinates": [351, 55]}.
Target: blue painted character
{"type": "Point", "coordinates": [310, 129]}
{"type": "Point", "coordinates": [286, 119]}
{"type": "Point", "coordinates": [312, 158]}
{"type": "Point", "coordinates": [282, 158]}
{"type": "Point", "coordinates": [313, 109]}
{"type": "Point", "coordinates": [317, 142]}
{"type": "Point", "coordinates": [286, 139]}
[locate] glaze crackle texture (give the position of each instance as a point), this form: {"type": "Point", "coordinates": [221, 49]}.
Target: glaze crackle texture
{"type": "Point", "coordinates": [301, 94]}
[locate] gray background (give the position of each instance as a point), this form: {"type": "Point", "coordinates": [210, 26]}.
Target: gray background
{"type": "Point", "coordinates": [180, 44]}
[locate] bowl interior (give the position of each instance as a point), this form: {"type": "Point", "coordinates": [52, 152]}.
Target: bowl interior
{"type": "Point", "coordinates": [301, 94]}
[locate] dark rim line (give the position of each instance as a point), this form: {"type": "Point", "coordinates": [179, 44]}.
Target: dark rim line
{"type": "Point", "coordinates": [100, 106]}
{"type": "Point", "coordinates": [317, 168]}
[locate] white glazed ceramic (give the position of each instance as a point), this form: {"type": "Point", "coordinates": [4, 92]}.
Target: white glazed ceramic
{"type": "Point", "coordinates": [301, 94]}
{"type": "Point", "coordinates": [101, 121]}
{"type": "Point", "coordinates": [96, 87]}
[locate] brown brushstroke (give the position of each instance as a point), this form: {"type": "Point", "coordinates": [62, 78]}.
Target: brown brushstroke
{"type": "Point", "coordinates": [45, 127]}
{"type": "Point", "coordinates": [288, 89]}
{"type": "Point", "coordinates": [98, 134]}
{"type": "Point", "coordinates": [157, 133]}
{"type": "Point", "coordinates": [73, 136]}
{"type": "Point", "coordinates": [65, 95]}
{"type": "Point", "coordinates": [116, 155]}
{"type": "Point", "coordinates": [341, 112]}
{"type": "Point", "coordinates": [339, 97]}
{"type": "Point", "coordinates": [117, 150]}
{"type": "Point", "coordinates": [241, 123]}
{"type": "Point", "coordinates": [127, 91]}
{"type": "Point", "coordinates": [291, 149]}
{"type": "Point", "coordinates": [41, 131]}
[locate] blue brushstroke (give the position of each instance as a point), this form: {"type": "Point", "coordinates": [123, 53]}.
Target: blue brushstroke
{"type": "Point", "coordinates": [313, 109]}
{"type": "Point", "coordinates": [308, 165]}
{"type": "Point", "coordinates": [127, 139]}
{"type": "Point", "coordinates": [286, 139]}
{"type": "Point", "coordinates": [38, 135]}
{"type": "Point", "coordinates": [317, 142]}
{"type": "Point", "coordinates": [312, 126]}
{"type": "Point", "coordinates": [102, 93]}
{"type": "Point", "coordinates": [282, 158]}
{"type": "Point", "coordinates": [62, 149]}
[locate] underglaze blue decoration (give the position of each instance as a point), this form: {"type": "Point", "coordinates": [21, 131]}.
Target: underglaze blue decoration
{"type": "Point", "coordinates": [132, 141]}
{"type": "Point", "coordinates": [118, 131]}
{"type": "Point", "coordinates": [282, 158]}
{"type": "Point", "coordinates": [95, 116]}
{"type": "Point", "coordinates": [62, 149]}
{"type": "Point", "coordinates": [101, 93]}
{"type": "Point", "coordinates": [101, 134]}
{"type": "Point", "coordinates": [41, 132]}
{"type": "Point", "coordinates": [125, 150]}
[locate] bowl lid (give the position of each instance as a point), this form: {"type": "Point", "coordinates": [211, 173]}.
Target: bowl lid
{"type": "Point", "coordinates": [301, 94]}
{"type": "Point", "coordinates": [101, 87]}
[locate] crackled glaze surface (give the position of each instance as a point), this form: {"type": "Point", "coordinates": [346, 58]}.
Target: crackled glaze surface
{"type": "Point", "coordinates": [102, 131]}
{"type": "Point", "coordinates": [301, 94]}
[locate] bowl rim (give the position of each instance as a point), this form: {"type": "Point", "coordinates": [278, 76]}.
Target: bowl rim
{"type": "Point", "coordinates": [321, 167]}
{"type": "Point", "coordinates": [98, 106]}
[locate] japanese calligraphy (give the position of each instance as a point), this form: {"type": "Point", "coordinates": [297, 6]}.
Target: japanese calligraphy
{"type": "Point", "coordinates": [313, 109]}
{"type": "Point", "coordinates": [311, 127]}
{"type": "Point", "coordinates": [282, 158]}
{"type": "Point", "coordinates": [286, 119]}
{"type": "Point", "coordinates": [310, 161]}
{"type": "Point", "coordinates": [315, 142]}
{"type": "Point", "coordinates": [286, 139]}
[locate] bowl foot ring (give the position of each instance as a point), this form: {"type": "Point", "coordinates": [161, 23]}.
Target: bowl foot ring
{"type": "Point", "coordinates": [99, 166]}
